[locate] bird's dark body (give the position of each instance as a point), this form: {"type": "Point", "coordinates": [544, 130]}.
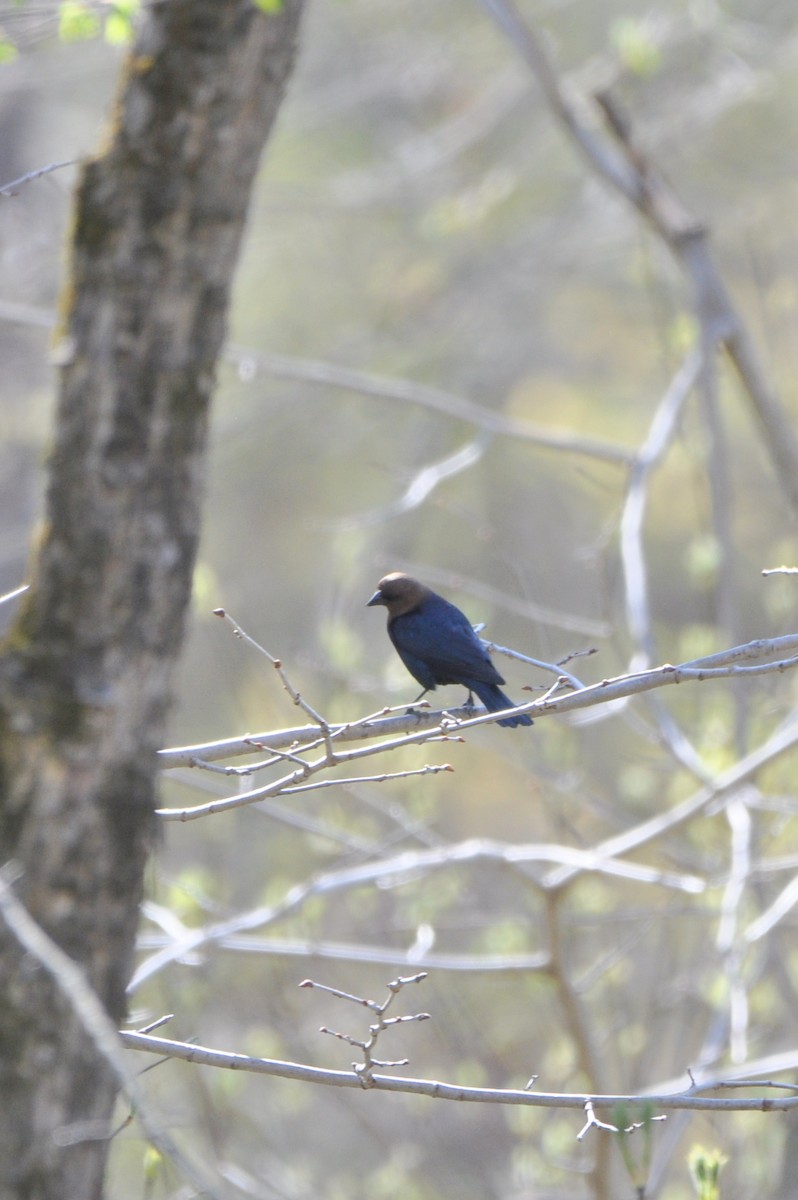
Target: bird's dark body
{"type": "Point", "coordinates": [437, 644]}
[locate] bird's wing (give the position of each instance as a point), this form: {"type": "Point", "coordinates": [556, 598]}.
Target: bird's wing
{"type": "Point", "coordinates": [445, 642]}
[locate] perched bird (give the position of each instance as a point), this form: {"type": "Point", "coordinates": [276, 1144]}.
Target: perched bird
{"type": "Point", "coordinates": [437, 644]}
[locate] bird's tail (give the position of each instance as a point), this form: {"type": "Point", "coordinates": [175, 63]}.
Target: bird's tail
{"type": "Point", "coordinates": [495, 700]}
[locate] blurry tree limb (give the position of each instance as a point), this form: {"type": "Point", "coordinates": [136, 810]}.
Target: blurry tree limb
{"type": "Point", "coordinates": [15, 593]}
{"type": "Point", "coordinates": [523, 606]}
{"type": "Point", "coordinates": [358, 952]}
{"type": "Point", "coordinates": [330, 375]}
{"type": "Point", "coordinates": [555, 668]}
{"type": "Point", "coordinates": [10, 189]}
{"type": "Point", "coordinates": [776, 912]}
{"type": "Point", "coordinates": [422, 153]}
{"type": "Point", "coordinates": [86, 673]}
{"type": "Point", "coordinates": [660, 436]}
{"type": "Point", "coordinates": [783, 740]}
{"type": "Point", "coordinates": [729, 944]}
{"type": "Point", "coordinates": [16, 312]}
{"type": "Point", "coordinates": [577, 1021]}
{"type": "Point", "coordinates": [624, 166]}
{"type": "Point", "coordinates": [409, 864]}
{"type": "Point", "coordinates": [98, 1027]}
{"type": "Point", "coordinates": [424, 482]}
{"type": "Point", "coordinates": [450, 405]}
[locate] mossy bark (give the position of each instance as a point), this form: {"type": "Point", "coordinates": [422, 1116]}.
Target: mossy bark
{"type": "Point", "coordinates": [86, 674]}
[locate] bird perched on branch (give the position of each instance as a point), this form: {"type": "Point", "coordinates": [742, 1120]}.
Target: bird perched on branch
{"type": "Point", "coordinates": [437, 644]}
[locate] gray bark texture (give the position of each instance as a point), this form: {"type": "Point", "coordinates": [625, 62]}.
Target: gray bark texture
{"type": "Point", "coordinates": [86, 674]}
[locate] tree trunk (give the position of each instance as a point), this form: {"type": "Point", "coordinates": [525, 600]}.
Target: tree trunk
{"type": "Point", "coordinates": [86, 674]}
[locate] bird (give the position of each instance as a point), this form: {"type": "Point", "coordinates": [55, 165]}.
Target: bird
{"type": "Point", "coordinates": [437, 643]}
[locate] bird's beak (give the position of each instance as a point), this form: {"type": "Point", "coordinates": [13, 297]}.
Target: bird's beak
{"type": "Point", "coordinates": [377, 598]}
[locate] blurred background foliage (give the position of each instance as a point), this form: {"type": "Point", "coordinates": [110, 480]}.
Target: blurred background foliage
{"type": "Point", "coordinates": [421, 218]}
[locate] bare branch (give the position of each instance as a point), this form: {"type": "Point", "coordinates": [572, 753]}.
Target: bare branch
{"type": "Point", "coordinates": [278, 666]}
{"type": "Point", "coordinates": [450, 405]}
{"type": "Point", "coordinates": [12, 595]}
{"type": "Point", "coordinates": [446, 723]}
{"type": "Point", "coordinates": [659, 438]}
{"type": "Point", "coordinates": [10, 189]}
{"type": "Point", "coordinates": [593, 1122]}
{"type": "Point", "coordinates": [408, 864]}
{"type": "Point", "coordinates": [742, 771]}
{"type": "Point", "coordinates": [365, 1070]}
{"type": "Point", "coordinates": [784, 903]}
{"type": "Point", "coordinates": [362, 953]}
{"type": "Point", "coordinates": [622, 164]}
{"type": "Point", "coordinates": [437, 1090]}
{"type": "Point", "coordinates": [422, 485]}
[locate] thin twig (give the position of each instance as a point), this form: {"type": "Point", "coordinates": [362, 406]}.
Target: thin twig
{"type": "Point", "coordinates": [278, 666]}
{"type": "Point", "coordinates": [20, 591]}
{"type": "Point", "coordinates": [10, 189]}
{"type": "Point", "coordinates": [365, 1070]}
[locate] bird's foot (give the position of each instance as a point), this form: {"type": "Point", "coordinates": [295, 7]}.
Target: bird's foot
{"type": "Point", "coordinates": [414, 712]}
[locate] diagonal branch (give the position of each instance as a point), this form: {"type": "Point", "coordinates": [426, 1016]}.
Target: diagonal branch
{"type": "Point", "coordinates": [623, 165]}
{"type": "Point", "coordinates": [85, 1003]}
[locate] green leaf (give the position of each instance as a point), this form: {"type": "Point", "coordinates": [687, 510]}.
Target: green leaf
{"type": "Point", "coordinates": [8, 51]}
{"type": "Point", "coordinates": [77, 22]}
{"type": "Point", "coordinates": [705, 1167]}
{"type": "Point", "coordinates": [269, 6]}
{"type": "Point", "coordinates": [153, 1164]}
{"type": "Point", "coordinates": [118, 29]}
{"type": "Point", "coordinates": [635, 46]}
{"type": "Point", "coordinates": [119, 22]}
